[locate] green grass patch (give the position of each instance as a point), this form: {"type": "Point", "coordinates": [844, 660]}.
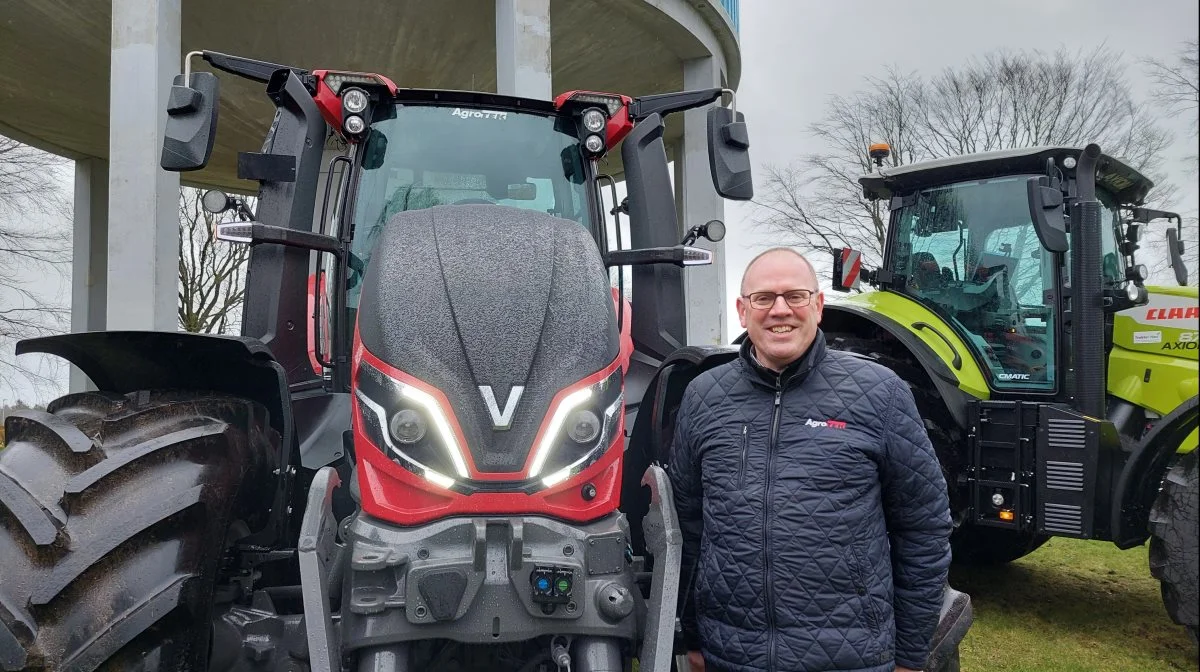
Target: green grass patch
{"type": "Point", "coordinates": [1071, 606]}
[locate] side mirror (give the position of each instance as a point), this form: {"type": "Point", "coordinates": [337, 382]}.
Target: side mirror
{"type": "Point", "coordinates": [1047, 212]}
{"type": "Point", "coordinates": [847, 269]}
{"type": "Point", "coordinates": [713, 229]}
{"type": "Point", "coordinates": [191, 123]}
{"type": "Point", "coordinates": [1175, 247]}
{"type": "Point", "coordinates": [729, 154]}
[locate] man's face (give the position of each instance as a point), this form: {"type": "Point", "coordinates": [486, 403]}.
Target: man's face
{"type": "Point", "coordinates": [780, 333]}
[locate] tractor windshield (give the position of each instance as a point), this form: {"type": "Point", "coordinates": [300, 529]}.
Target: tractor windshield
{"type": "Point", "coordinates": [969, 252]}
{"type": "Point", "coordinates": [424, 156]}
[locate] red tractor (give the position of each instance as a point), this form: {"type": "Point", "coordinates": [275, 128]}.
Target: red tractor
{"type": "Point", "coordinates": [437, 462]}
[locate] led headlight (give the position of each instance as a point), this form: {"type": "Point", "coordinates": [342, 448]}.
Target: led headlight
{"type": "Point", "coordinates": [407, 426]}
{"type": "Point", "coordinates": [354, 124]}
{"type": "Point", "coordinates": [410, 425]}
{"type": "Point", "coordinates": [580, 430]}
{"type": "Point", "coordinates": [593, 144]}
{"type": "Point", "coordinates": [583, 426]}
{"type": "Point", "coordinates": [593, 120]}
{"type": "Point", "coordinates": [355, 100]}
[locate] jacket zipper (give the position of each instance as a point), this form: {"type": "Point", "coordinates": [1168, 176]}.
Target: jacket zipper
{"type": "Point", "coordinates": [770, 593]}
{"type": "Point", "coordinates": [742, 469]}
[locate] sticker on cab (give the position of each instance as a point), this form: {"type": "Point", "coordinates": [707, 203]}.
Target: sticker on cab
{"type": "Point", "coordinates": [1147, 337]}
{"type": "Point", "coordinates": [478, 114]}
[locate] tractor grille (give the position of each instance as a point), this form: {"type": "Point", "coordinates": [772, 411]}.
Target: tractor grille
{"type": "Point", "coordinates": [1064, 475]}
{"type": "Point", "coordinates": [1063, 433]}
{"type": "Point", "coordinates": [1064, 518]}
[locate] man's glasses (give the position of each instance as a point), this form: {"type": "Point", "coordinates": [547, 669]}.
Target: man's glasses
{"type": "Point", "coordinates": [795, 298]}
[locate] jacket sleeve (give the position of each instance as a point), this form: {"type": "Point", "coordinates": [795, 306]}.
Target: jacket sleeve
{"type": "Point", "coordinates": [684, 472]}
{"type": "Point", "coordinates": [917, 509]}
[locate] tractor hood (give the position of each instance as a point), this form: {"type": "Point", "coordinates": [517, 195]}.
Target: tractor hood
{"type": "Point", "coordinates": [494, 311]}
{"type": "Point", "coordinates": [1164, 326]}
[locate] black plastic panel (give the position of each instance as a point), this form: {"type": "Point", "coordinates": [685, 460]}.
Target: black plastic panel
{"type": "Point", "coordinates": [1068, 449]}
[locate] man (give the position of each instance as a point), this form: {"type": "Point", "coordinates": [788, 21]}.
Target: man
{"type": "Point", "coordinates": [813, 508]}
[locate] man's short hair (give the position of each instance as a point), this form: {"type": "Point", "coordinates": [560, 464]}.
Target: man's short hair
{"type": "Point", "coordinates": [801, 257]}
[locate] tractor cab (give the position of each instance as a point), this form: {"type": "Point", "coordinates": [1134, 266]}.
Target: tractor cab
{"type": "Point", "coordinates": [965, 242]}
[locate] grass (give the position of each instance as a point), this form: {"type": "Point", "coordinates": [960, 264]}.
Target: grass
{"type": "Point", "coordinates": [1071, 606]}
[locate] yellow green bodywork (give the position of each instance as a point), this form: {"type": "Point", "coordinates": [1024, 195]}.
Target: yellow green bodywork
{"type": "Point", "coordinates": [907, 311]}
{"type": "Point", "coordinates": [1153, 363]}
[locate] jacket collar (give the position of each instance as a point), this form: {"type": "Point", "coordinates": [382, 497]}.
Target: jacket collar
{"type": "Point", "coordinates": [796, 371]}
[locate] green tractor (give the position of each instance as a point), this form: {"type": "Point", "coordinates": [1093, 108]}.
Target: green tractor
{"type": "Point", "coordinates": [1059, 391]}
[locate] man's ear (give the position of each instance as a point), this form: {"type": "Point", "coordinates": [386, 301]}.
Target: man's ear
{"type": "Point", "coordinates": [820, 306]}
{"type": "Point", "coordinates": [741, 310]}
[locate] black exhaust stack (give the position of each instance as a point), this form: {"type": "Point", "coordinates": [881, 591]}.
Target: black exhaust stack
{"type": "Point", "coordinates": [1087, 306]}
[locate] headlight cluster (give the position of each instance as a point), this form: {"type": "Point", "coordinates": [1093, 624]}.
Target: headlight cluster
{"type": "Point", "coordinates": [594, 123]}
{"type": "Point", "coordinates": [354, 104]}
{"type": "Point", "coordinates": [410, 424]}
{"type": "Point", "coordinates": [581, 427]}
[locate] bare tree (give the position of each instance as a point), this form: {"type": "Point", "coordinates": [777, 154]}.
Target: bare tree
{"type": "Point", "coordinates": [35, 245]}
{"type": "Point", "coordinates": [1177, 86]}
{"type": "Point", "coordinates": [212, 273]}
{"type": "Point", "coordinates": [999, 101]}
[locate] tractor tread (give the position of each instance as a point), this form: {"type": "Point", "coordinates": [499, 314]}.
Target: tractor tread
{"type": "Point", "coordinates": [114, 513]}
{"type": "Point", "coordinates": [66, 436]}
{"type": "Point", "coordinates": [83, 405]}
{"type": "Point", "coordinates": [88, 479]}
{"type": "Point", "coordinates": [138, 522]}
{"type": "Point", "coordinates": [40, 524]}
{"type": "Point", "coordinates": [1174, 547]}
{"type": "Point", "coordinates": [12, 652]}
{"type": "Point", "coordinates": [127, 627]}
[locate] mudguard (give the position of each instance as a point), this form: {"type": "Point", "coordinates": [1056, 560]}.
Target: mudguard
{"type": "Point", "coordinates": [1138, 484]}
{"type": "Point", "coordinates": [840, 317]}
{"type": "Point", "coordinates": [129, 361]}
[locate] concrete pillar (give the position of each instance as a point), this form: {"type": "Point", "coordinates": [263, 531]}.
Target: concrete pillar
{"type": "Point", "coordinates": [698, 202]}
{"type": "Point", "coordinates": [89, 267]}
{"type": "Point", "coordinates": [523, 48]}
{"type": "Point", "coordinates": [143, 203]}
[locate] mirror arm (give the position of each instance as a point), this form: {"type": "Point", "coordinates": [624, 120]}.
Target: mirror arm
{"type": "Point", "coordinates": [255, 233]}
{"type": "Point", "coordinates": [680, 255]}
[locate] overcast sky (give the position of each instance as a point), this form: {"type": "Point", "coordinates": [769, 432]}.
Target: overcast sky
{"type": "Point", "coordinates": [796, 54]}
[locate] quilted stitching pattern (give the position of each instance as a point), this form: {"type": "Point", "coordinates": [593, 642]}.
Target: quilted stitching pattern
{"type": "Point", "coordinates": [827, 553]}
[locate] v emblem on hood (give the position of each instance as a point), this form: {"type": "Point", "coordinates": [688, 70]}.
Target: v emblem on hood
{"type": "Point", "coordinates": [501, 419]}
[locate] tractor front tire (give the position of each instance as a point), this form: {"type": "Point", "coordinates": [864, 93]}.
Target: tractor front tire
{"type": "Point", "coordinates": [1174, 542]}
{"type": "Point", "coordinates": [114, 517]}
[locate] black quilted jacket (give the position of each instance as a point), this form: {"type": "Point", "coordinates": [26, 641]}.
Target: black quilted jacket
{"type": "Point", "coordinates": [818, 512]}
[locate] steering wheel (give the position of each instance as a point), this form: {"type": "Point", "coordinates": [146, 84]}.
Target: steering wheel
{"type": "Point", "coordinates": [471, 201]}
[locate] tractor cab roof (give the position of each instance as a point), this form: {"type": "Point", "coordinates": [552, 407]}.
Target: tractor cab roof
{"type": "Point", "coordinates": [1127, 185]}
